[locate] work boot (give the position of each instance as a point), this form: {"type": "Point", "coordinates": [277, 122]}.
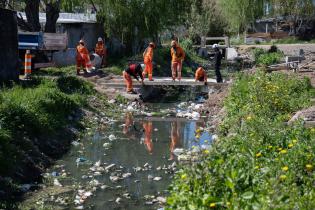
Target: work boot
{"type": "Point", "coordinates": [132, 92]}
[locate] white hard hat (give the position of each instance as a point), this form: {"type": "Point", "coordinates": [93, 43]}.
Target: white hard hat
{"type": "Point", "coordinates": [99, 39]}
{"type": "Point", "coordinates": [215, 46]}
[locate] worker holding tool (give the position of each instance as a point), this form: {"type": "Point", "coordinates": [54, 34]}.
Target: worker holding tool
{"type": "Point", "coordinates": [148, 59]}
{"type": "Point", "coordinates": [178, 56]}
{"type": "Point", "coordinates": [201, 75]}
{"type": "Point", "coordinates": [134, 70]}
{"type": "Point", "coordinates": [83, 58]}
{"type": "Point", "coordinates": [100, 50]}
{"type": "Point", "coordinates": [217, 62]}
{"type": "Point", "coordinates": [147, 127]}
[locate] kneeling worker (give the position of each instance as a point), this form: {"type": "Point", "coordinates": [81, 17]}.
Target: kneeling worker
{"type": "Point", "coordinates": [201, 75]}
{"type": "Point", "coordinates": [134, 70]}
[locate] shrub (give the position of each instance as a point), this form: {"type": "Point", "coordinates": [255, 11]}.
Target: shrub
{"type": "Point", "coordinates": [269, 58]}
{"type": "Point", "coordinates": [265, 164]}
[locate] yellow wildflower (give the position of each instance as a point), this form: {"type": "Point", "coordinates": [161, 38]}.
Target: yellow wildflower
{"type": "Point", "coordinates": [228, 203]}
{"type": "Point", "coordinates": [269, 147]}
{"type": "Point", "coordinates": [258, 155]}
{"type": "Point", "coordinates": [285, 168]}
{"type": "Point", "coordinates": [184, 176]}
{"type": "Point", "coordinates": [279, 149]}
{"type": "Point", "coordinates": [198, 130]}
{"type": "Point", "coordinates": [294, 141]}
{"type": "Point", "coordinates": [290, 145]}
{"type": "Point", "coordinates": [198, 136]}
{"type": "Point", "coordinates": [282, 177]}
{"type": "Point", "coordinates": [206, 152]}
{"type": "Point", "coordinates": [313, 130]}
{"type": "Point", "coordinates": [257, 167]}
{"type": "Point", "coordinates": [309, 167]}
{"type": "Point", "coordinates": [249, 118]}
{"type": "Point", "coordinates": [284, 151]}
{"type": "Point", "coordinates": [212, 205]}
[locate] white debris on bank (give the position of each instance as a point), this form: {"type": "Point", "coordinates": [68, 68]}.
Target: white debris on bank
{"type": "Point", "coordinates": [190, 111]}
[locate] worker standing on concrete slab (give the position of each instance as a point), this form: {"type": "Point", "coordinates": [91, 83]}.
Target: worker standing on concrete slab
{"type": "Point", "coordinates": [83, 58]}
{"type": "Point", "coordinates": [148, 59]}
{"type": "Point", "coordinates": [201, 75]}
{"type": "Point", "coordinates": [100, 49]}
{"type": "Point", "coordinates": [178, 56]}
{"type": "Point", "coordinates": [134, 70]}
{"type": "Point", "coordinates": [217, 62]}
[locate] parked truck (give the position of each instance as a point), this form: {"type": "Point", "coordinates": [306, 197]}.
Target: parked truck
{"type": "Point", "coordinates": [42, 46]}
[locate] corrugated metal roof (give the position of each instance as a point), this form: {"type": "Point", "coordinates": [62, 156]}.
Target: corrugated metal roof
{"type": "Point", "coordinates": [68, 17]}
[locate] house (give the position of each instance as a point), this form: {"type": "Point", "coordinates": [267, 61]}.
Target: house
{"type": "Point", "coordinates": [9, 46]}
{"type": "Point", "coordinates": [77, 26]}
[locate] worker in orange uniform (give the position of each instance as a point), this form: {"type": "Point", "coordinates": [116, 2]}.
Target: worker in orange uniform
{"type": "Point", "coordinates": [134, 70]}
{"type": "Point", "coordinates": [100, 49]}
{"type": "Point", "coordinates": [178, 56]}
{"type": "Point", "coordinates": [148, 59]}
{"type": "Point", "coordinates": [83, 58]}
{"type": "Point", "coordinates": [147, 126]}
{"type": "Point", "coordinates": [175, 137]}
{"type": "Point", "coordinates": [201, 75]}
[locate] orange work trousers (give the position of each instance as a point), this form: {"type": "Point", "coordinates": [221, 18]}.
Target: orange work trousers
{"type": "Point", "coordinates": [177, 68]}
{"type": "Point", "coordinates": [147, 126]}
{"type": "Point", "coordinates": [80, 64]}
{"type": "Point", "coordinates": [148, 69]}
{"type": "Point", "coordinates": [128, 81]}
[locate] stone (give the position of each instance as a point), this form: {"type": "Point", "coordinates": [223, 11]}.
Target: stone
{"type": "Point", "coordinates": [114, 178]}
{"type": "Point", "coordinates": [57, 183]}
{"type": "Point", "coordinates": [112, 137]}
{"type": "Point", "coordinates": [110, 167]}
{"type": "Point", "coordinates": [126, 175]}
{"type": "Point", "coordinates": [157, 178]}
{"type": "Point", "coordinates": [118, 200]}
{"type": "Point", "coordinates": [161, 200]}
{"type": "Point", "coordinates": [150, 177]}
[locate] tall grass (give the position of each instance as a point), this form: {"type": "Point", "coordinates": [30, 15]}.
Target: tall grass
{"type": "Point", "coordinates": [258, 162]}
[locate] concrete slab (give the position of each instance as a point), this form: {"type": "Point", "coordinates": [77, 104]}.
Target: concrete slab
{"type": "Point", "coordinates": [163, 81]}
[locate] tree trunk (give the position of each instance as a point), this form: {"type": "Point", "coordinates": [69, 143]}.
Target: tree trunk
{"type": "Point", "coordinates": [32, 14]}
{"type": "Point", "coordinates": [52, 15]}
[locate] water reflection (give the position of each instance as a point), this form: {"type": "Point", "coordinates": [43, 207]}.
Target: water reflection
{"type": "Point", "coordinates": [179, 132]}
{"type": "Point", "coordinates": [175, 138]}
{"type": "Point", "coordinates": [147, 127]}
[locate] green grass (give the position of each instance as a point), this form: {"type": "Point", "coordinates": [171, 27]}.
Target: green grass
{"type": "Point", "coordinates": [258, 162]}
{"type": "Point", "coordinates": [33, 117]}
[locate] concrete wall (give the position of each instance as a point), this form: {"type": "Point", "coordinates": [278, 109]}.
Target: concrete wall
{"type": "Point", "coordinates": [89, 31]}
{"type": "Point", "coordinates": [9, 46]}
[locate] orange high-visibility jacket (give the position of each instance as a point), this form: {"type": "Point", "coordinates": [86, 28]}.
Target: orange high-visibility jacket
{"type": "Point", "coordinates": [82, 52]}
{"type": "Point", "coordinates": [178, 55]}
{"type": "Point", "coordinates": [148, 55]}
{"type": "Point", "coordinates": [201, 73]}
{"type": "Point", "coordinates": [100, 49]}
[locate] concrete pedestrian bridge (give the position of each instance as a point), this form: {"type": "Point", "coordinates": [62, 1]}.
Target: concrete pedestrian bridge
{"type": "Point", "coordinates": [160, 81]}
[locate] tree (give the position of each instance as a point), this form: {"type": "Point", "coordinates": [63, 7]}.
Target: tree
{"type": "Point", "coordinates": [136, 20]}
{"type": "Point", "coordinates": [240, 13]}
{"type": "Point", "coordinates": [295, 11]}
{"type": "Point", "coordinates": [32, 14]}
{"type": "Point", "coordinates": [206, 19]}
{"type": "Point", "coordinates": [52, 15]}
